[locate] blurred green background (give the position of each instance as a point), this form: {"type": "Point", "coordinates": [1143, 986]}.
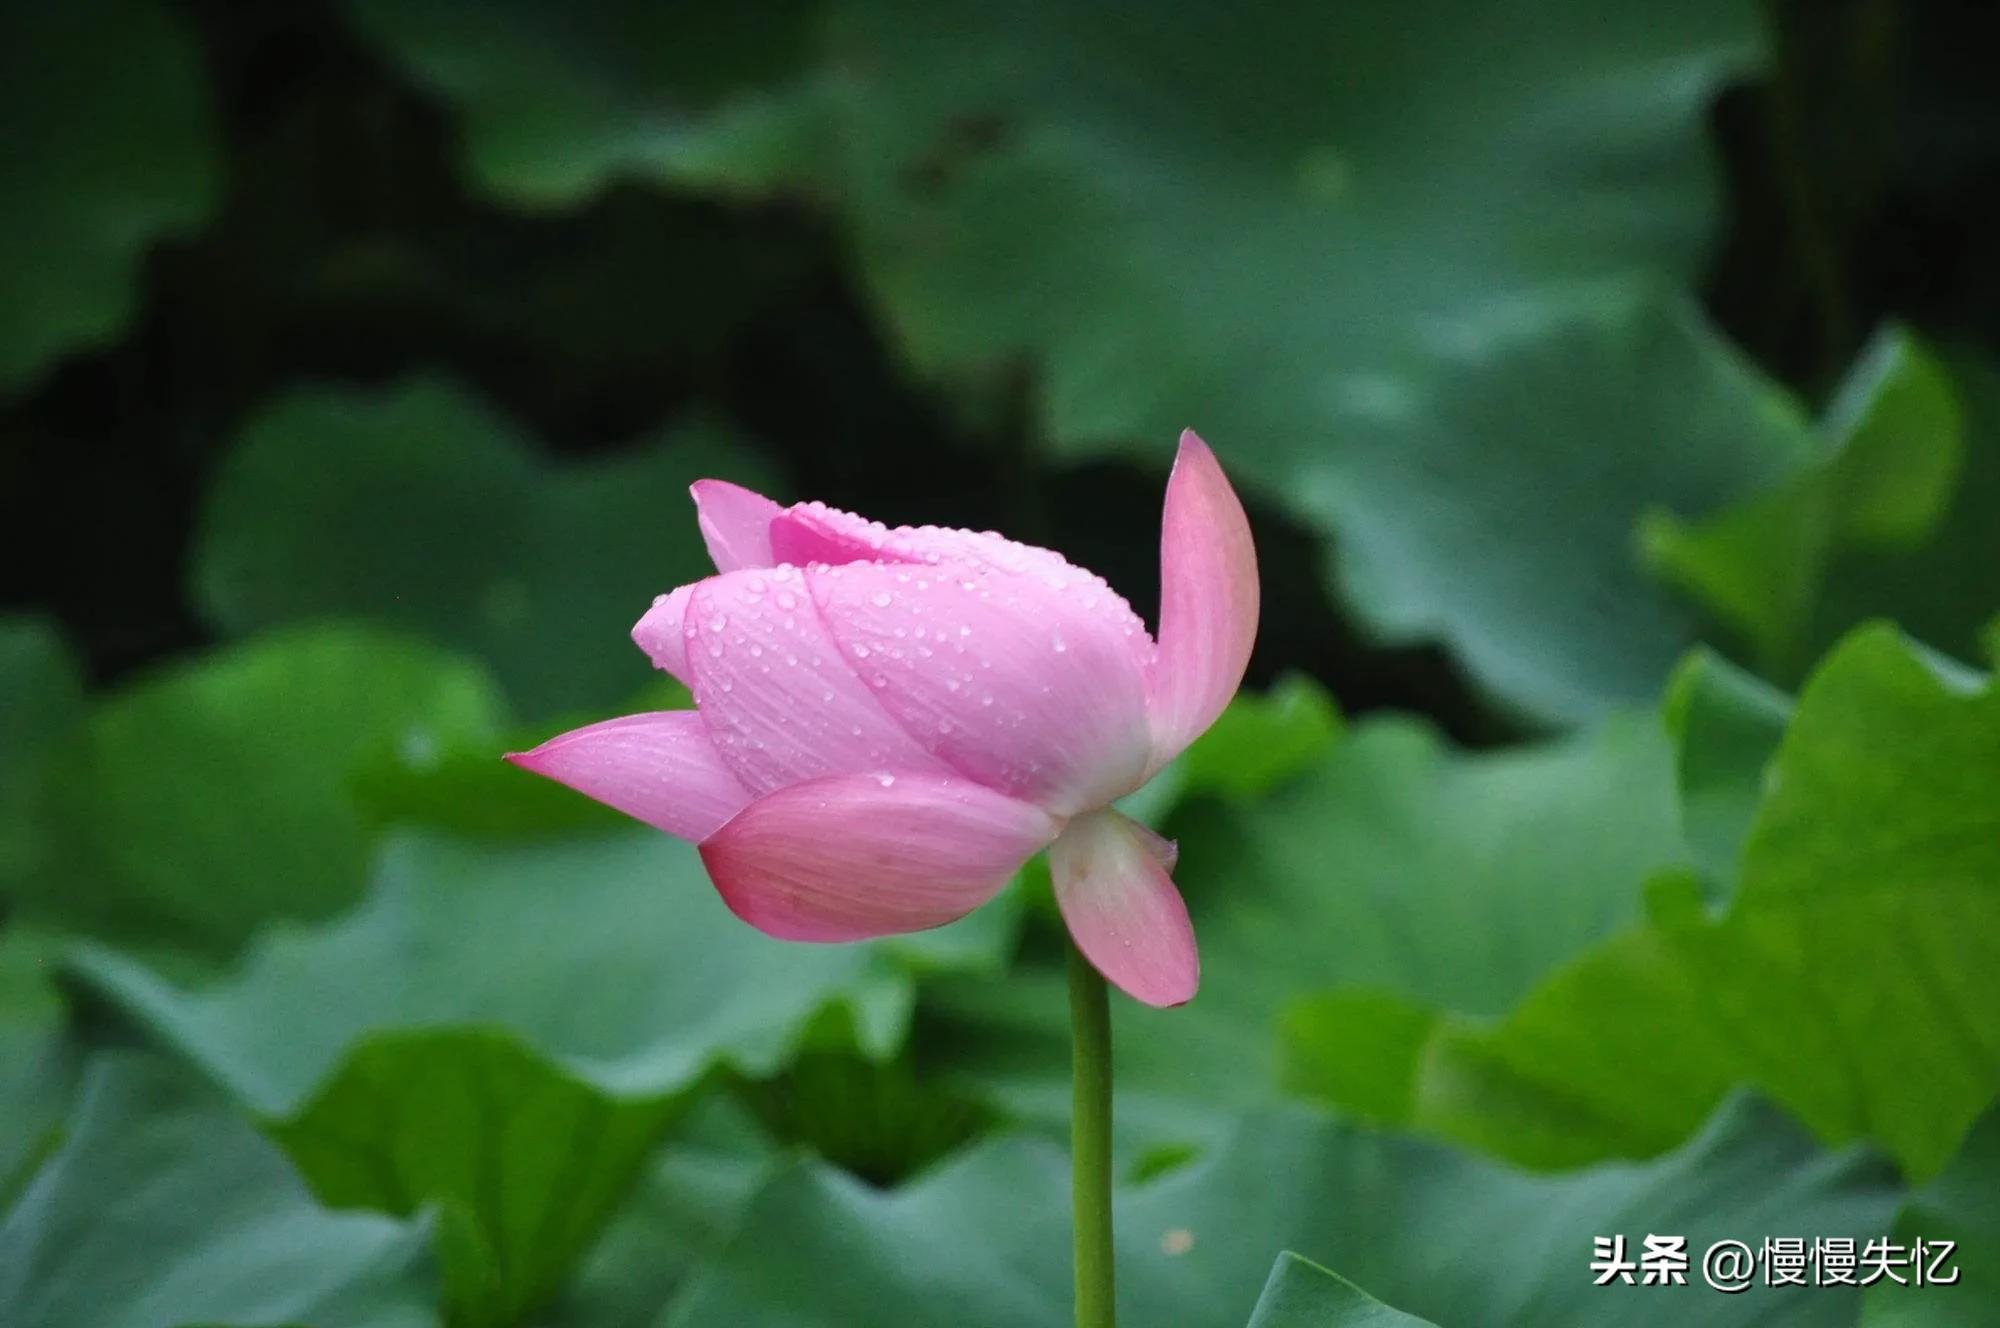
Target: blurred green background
{"type": "Point", "coordinates": [1608, 841]}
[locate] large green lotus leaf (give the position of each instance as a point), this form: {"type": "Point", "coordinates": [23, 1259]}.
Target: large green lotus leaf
{"type": "Point", "coordinates": [1460, 1240]}
{"type": "Point", "coordinates": [419, 507]}
{"type": "Point", "coordinates": [504, 1031]}
{"type": "Point", "coordinates": [1301, 1294]}
{"type": "Point", "coordinates": [203, 800]}
{"type": "Point", "coordinates": [1938, 591]}
{"type": "Point", "coordinates": [610, 954]}
{"type": "Point", "coordinates": [41, 700]}
{"type": "Point", "coordinates": [111, 147]}
{"type": "Point", "coordinates": [558, 101]}
{"type": "Point", "coordinates": [521, 1164]}
{"type": "Point", "coordinates": [1892, 448]}
{"type": "Point", "coordinates": [1347, 246]}
{"type": "Point", "coordinates": [163, 1208]}
{"type": "Point", "coordinates": [1493, 504]}
{"type": "Point", "coordinates": [1868, 907]}
{"type": "Point", "coordinates": [1453, 878]}
{"type": "Point", "coordinates": [1726, 725]}
{"type": "Point", "coordinates": [685, 1203]}
{"type": "Point", "coordinates": [1961, 1205]}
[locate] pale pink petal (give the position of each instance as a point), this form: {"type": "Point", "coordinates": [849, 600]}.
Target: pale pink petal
{"type": "Point", "coordinates": [1208, 601]}
{"type": "Point", "coordinates": [852, 856]}
{"type": "Point", "coordinates": [1029, 683]}
{"type": "Point", "coordinates": [735, 524]}
{"type": "Point", "coordinates": [660, 768]}
{"type": "Point", "coordinates": [780, 701]}
{"type": "Point", "coordinates": [1165, 851]}
{"type": "Point", "coordinates": [661, 633]}
{"type": "Point", "coordinates": [1122, 908]}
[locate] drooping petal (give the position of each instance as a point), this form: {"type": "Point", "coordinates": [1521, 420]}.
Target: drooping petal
{"type": "Point", "coordinates": [661, 633]}
{"type": "Point", "coordinates": [852, 856]}
{"type": "Point", "coordinates": [660, 768]}
{"type": "Point", "coordinates": [735, 524]}
{"type": "Point", "coordinates": [781, 703]}
{"type": "Point", "coordinates": [1032, 685]}
{"type": "Point", "coordinates": [1208, 601]}
{"type": "Point", "coordinates": [1123, 910]}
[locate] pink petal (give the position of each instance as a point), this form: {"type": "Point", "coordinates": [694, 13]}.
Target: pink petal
{"type": "Point", "coordinates": [660, 768]}
{"type": "Point", "coordinates": [735, 524]}
{"type": "Point", "coordinates": [1123, 910]}
{"type": "Point", "coordinates": [815, 533]}
{"type": "Point", "coordinates": [1030, 684]}
{"type": "Point", "coordinates": [852, 856]}
{"type": "Point", "coordinates": [1208, 601]}
{"type": "Point", "coordinates": [781, 703]}
{"type": "Point", "coordinates": [661, 635]}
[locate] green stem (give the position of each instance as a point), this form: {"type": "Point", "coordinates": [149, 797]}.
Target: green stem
{"type": "Point", "coordinates": [1090, 1142]}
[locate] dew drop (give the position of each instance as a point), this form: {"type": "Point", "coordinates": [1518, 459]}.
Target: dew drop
{"type": "Point", "coordinates": [880, 599]}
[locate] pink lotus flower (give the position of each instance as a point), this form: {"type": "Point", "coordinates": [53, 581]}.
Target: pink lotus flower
{"type": "Point", "coordinates": [890, 722]}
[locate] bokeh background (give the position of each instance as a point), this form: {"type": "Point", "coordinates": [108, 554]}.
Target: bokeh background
{"type": "Point", "coordinates": [1609, 841]}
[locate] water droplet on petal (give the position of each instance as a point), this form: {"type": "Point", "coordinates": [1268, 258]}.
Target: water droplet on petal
{"type": "Point", "coordinates": [880, 599]}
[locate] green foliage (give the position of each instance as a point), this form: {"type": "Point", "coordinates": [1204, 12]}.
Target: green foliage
{"type": "Point", "coordinates": [1301, 1294]}
{"type": "Point", "coordinates": [496, 551]}
{"type": "Point", "coordinates": [1608, 841]}
{"type": "Point", "coordinates": [163, 1207]}
{"type": "Point", "coordinates": [1868, 907]}
{"type": "Point", "coordinates": [983, 1238]}
{"type": "Point", "coordinates": [1889, 464]}
{"type": "Point", "coordinates": [35, 1065]}
{"type": "Point", "coordinates": [41, 700]}
{"type": "Point", "coordinates": [559, 102]}
{"type": "Point", "coordinates": [1961, 1204]}
{"type": "Point", "coordinates": [1450, 877]}
{"type": "Point", "coordinates": [498, 1052]}
{"type": "Point", "coordinates": [111, 147]}
{"type": "Point", "coordinates": [193, 805]}
{"type": "Point", "coordinates": [1275, 264]}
